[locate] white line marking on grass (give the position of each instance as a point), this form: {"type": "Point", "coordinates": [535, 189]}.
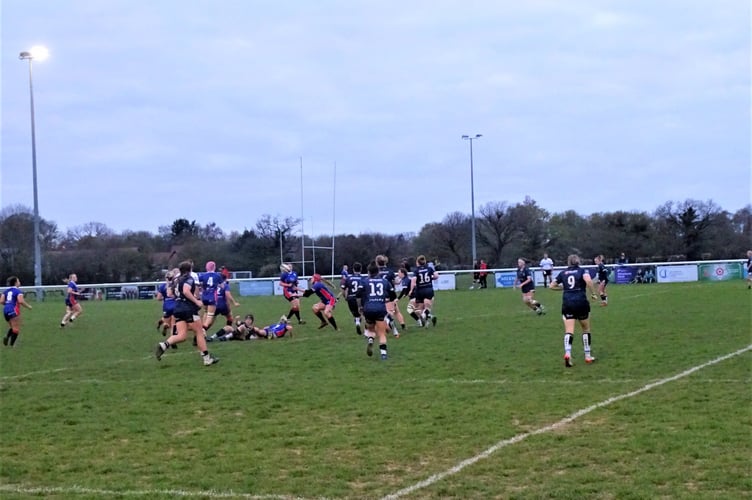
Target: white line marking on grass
{"type": "Point", "coordinates": [167, 355]}
{"type": "Point", "coordinates": [503, 381]}
{"type": "Point", "coordinates": [93, 366]}
{"type": "Point", "coordinates": [80, 490]}
{"type": "Point", "coordinates": [556, 425]}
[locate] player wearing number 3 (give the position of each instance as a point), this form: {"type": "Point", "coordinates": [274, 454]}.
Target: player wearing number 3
{"type": "Point", "coordinates": [577, 285]}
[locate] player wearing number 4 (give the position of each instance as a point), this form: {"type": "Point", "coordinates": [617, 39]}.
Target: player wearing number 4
{"type": "Point", "coordinates": [576, 284]}
{"type": "Point", "coordinates": [209, 282]}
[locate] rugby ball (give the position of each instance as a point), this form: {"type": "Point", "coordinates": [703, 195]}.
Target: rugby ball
{"type": "Point", "coordinates": [285, 268]}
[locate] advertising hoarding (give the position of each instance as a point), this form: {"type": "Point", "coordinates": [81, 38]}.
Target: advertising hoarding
{"type": "Point", "coordinates": [676, 274]}
{"type": "Point", "coordinates": [721, 272]}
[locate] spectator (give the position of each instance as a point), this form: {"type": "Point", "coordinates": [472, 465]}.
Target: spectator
{"type": "Point", "coordinates": [476, 274]}
{"type": "Point", "coordinates": [483, 274]}
{"type": "Point", "coordinates": [622, 259]}
{"type": "Point", "coordinates": [547, 266]}
{"type": "Point", "coordinates": [649, 275]}
{"type": "Point", "coordinates": [640, 276]}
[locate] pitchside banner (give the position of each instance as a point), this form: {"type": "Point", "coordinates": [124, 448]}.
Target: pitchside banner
{"type": "Point", "coordinates": [676, 274]}
{"type": "Point", "coordinates": [624, 275]}
{"type": "Point", "coordinates": [445, 282]}
{"type": "Point", "coordinates": [721, 272]}
{"type": "Point", "coordinates": [505, 279]}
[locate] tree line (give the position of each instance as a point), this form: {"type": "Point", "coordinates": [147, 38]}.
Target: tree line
{"type": "Point", "coordinates": [686, 230]}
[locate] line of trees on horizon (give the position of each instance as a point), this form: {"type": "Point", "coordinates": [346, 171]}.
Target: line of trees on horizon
{"type": "Point", "coordinates": [686, 230]}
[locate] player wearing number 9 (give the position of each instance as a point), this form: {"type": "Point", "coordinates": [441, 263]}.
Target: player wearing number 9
{"type": "Point", "coordinates": [576, 285]}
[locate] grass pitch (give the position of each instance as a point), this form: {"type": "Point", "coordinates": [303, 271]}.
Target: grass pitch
{"type": "Point", "coordinates": [476, 407]}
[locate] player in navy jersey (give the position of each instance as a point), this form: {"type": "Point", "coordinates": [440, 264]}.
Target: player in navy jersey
{"type": "Point", "coordinates": [187, 308]}
{"type": "Point", "coordinates": [422, 286]}
{"type": "Point", "coordinates": [407, 291]}
{"type": "Point", "coordinates": [72, 306]}
{"type": "Point", "coordinates": [603, 273]}
{"type": "Point", "coordinates": [325, 307]}
{"type": "Point", "coordinates": [12, 299]}
{"type": "Point", "coordinates": [288, 280]}
{"type": "Point", "coordinates": [391, 311]}
{"type": "Point", "coordinates": [749, 269]}
{"type": "Point", "coordinates": [165, 295]}
{"type": "Point", "coordinates": [351, 290]}
{"type": "Point", "coordinates": [525, 281]}
{"type": "Point", "coordinates": [209, 282]}
{"type": "Point", "coordinates": [576, 284]}
{"type": "Point", "coordinates": [374, 295]}
{"type": "Point", "coordinates": [404, 283]}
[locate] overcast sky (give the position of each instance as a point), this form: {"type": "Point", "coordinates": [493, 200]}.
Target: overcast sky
{"type": "Point", "coordinates": [149, 111]}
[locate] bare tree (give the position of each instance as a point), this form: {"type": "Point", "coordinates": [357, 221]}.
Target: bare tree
{"type": "Point", "coordinates": [689, 223]}
{"type": "Point", "coordinates": [496, 228]}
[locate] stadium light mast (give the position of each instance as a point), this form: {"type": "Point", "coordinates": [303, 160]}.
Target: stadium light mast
{"type": "Point", "coordinates": [40, 54]}
{"type": "Point", "coordinates": [471, 138]}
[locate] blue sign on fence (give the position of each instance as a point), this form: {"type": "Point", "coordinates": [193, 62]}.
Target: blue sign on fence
{"type": "Point", "coordinates": [624, 275]}
{"type": "Point", "coordinates": [505, 279]}
{"type": "Point", "coordinates": [256, 288]}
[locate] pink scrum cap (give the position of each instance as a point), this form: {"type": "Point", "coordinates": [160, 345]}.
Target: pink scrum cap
{"type": "Point", "coordinates": [210, 266]}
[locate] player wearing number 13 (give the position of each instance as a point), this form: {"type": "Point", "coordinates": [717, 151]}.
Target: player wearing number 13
{"type": "Point", "coordinates": [576, 284]}
{"type": "Point", "coordinates": [374, 295]}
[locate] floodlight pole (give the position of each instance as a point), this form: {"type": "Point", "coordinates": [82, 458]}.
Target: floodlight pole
{"type": "Point", "coordinates": [37, 245]}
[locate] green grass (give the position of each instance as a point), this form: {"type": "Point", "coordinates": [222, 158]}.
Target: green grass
{"type": "Point", "coordinates": [88, 409]}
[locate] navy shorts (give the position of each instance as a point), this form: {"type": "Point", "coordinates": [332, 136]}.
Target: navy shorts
{"type": "Point", "coordinates": [576, 310]}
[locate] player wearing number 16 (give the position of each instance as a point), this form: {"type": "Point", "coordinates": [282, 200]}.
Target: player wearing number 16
{"type": "Point", "coordinates": [422, 285]}
{"type": "Point", "coordinates": [576, 284]}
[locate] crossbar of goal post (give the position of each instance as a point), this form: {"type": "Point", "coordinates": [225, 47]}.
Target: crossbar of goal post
{"type": "Point", "coordinates": [313, 247]}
